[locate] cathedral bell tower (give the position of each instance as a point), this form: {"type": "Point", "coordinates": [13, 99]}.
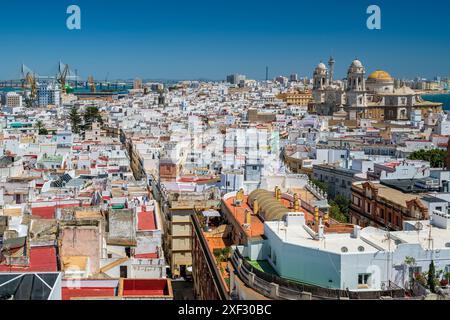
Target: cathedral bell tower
{"type": "Point", "coordinates": [320, 81]}
{"type": "Point", "coordinates": [356, 89]}
{"type": "Point", "coordinates": [320, 77]}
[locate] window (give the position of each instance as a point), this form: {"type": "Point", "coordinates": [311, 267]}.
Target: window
{"type": "Point", "coordinates": [123, 272]}
{"type": "Point", "coordinates": [363, 278]}
{"type": "Point", "coordinates": [439, 208]}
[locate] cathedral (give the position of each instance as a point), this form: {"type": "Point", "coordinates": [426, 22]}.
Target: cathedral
{"type": "Point", "coordinates": [374, 98]}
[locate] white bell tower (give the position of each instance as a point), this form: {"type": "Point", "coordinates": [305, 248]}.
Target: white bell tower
{"type": "Point", "coordinates": [319, 83]}
{"type": "Point", "coordinates": [356, 85]}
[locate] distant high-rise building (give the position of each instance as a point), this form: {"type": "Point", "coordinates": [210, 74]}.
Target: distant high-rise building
{"type": "Point", "coordinates": [235, 78]}
{"type": "Point", "coordinates": [13, 100]}
{"type": "Point", "coordinates": [157, 86]}
{"type": "Point", "coordinates": [282, 80]}
{"type": "Point", "coordinates": [293, 77]}
{"type": "Point", "coordinates": [49, 95]}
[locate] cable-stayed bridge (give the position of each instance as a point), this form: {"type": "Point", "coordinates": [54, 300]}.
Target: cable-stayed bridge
{"type": "Point", "coordinates": [53, 76]}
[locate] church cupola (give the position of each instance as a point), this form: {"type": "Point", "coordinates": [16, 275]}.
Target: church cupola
{"type": "Point", "coordinates": [320, 77]}
{"type": "Point", "coordinates": [356, 77]}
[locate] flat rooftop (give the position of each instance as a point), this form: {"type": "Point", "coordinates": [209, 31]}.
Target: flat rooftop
{"type": "Point", "coordinates": [146, 221]}
{"type": "Point", "coordinates": [42, 259]}
{"type": "Point", "coordinates": [145, 288]}
{"type": "Point", "coordinates": [339, 243]}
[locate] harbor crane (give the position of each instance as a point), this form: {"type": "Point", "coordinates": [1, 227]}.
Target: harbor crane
{"type": "Point", "coordinates": [91, 83]}
{"type": "Point", "coordinates": [62, 76]}
{"type": "Point", "coordinates": [32, 84]}
{"type": "Point", "coordinates": [30, 78]}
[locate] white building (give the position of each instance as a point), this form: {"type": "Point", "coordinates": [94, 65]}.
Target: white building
{"type": "Point", "coordinates": [365, 259]}
{"type": "Point", "coordinates": [49, 95]}
{"type": "Point", "coordinates": [13, 100]}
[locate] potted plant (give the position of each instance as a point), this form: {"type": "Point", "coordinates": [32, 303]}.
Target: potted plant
{"type": "Point", "coordinates": [420, 278]}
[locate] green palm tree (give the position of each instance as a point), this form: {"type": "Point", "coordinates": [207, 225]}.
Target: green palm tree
{"type": "Point", "coordinates": [41, 127]}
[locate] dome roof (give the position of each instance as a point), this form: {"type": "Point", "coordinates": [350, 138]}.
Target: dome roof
{"type": "Point", "coordinates": [321, 66]}
{"type": "Point", "coordinates": [357, 63]}
{"type": "Point", "coordinates": [380, 75]}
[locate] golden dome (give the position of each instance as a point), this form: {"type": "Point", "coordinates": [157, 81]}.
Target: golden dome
{"type": "Point", "coordinates": [380, 75]}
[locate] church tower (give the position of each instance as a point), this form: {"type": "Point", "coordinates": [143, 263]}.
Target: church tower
{"type": "Point", "coordinates": [355, 77]}
{"type": "Point", "coordinates": [331, 73]}
{"type": "Point", "coordinates": [356, 89]}
{"type": "Point", "coordinates": [320, 77]}
{"type": "Point", "coordinates": [319, 83]}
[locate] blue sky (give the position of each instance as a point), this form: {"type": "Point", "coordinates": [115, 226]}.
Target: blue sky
{"type": "Point", "coordinates": [180, 39]}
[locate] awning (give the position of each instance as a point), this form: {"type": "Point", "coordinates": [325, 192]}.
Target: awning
{"type": "Point", "coordinates": [211, 213]}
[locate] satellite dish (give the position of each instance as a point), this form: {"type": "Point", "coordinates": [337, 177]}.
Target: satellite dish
{"type": "Point", "coordinates": [418, 226]}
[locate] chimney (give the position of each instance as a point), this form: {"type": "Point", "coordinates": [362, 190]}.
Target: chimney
{"type": "Point", "coordinates": [326, 218]}
{"type": "Point", "coordinates": [316, 215]}
{"type": "Point", "coordinates": [356, 231]}
{"type": "Point", "coordinates": [296, 202]}
{"type": "Point", "coordinates": [248, 217]}
{"type": "Point", "coordinates": [277, 193]}
{"type": "Point", "coordinates": [321, 231]}
{"type": "Point", "coordinates": [239, 198]}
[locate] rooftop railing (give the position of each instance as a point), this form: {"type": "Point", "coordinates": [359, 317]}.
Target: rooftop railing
{"type": "Point", "coordinates": [275, 287]}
